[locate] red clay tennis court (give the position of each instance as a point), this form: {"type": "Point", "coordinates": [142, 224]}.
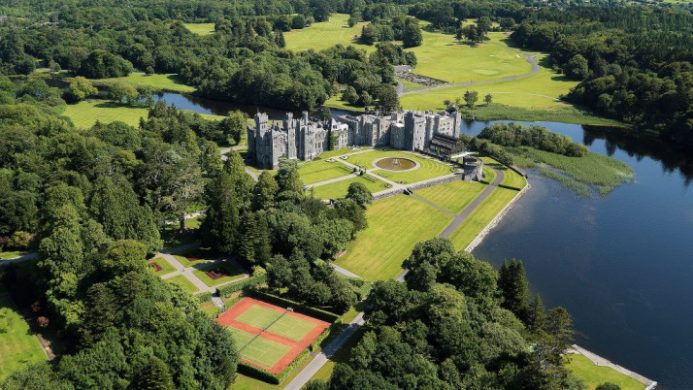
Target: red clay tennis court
{"type": "Point", "coordinates": [268, 336]}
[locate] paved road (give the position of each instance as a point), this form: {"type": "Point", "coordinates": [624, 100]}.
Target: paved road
{"type": "Point", "coordinates": [320, 359]}
{"type": "Point", "coordinates": [344, 271]}
{"type": "Point", "coordinates": [464, 214]}
{"type": "Point", "coordinates": [531, 58]}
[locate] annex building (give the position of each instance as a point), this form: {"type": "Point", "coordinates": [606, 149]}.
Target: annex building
{"type": "Point", "coordinates": [304, 139]}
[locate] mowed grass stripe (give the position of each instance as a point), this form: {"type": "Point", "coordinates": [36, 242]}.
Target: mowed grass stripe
{"type": "Point", "coordinates": [481, 217]}
{"type": "Point", "coordinates": [454, 196]}
{"type": "Point", "coordinates": [428, 168]}
{"type": "Point", "coordinates": [321, 170]}
{"type": "Point", "coordinates": [18, 346]}
{"type": "Point", "coordinates": [259, 316]}
{"type": "Point", "coordinates": [339, 189]}
{"type": "Point", "coordinates": [395, 225]}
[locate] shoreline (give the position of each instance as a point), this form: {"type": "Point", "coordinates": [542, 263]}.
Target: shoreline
{"type": "Point", "coordinates": [496, 220]}
{"type": "Point", "coordinates": [603, 362]}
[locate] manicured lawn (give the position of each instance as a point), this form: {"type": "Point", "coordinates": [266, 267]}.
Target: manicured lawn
{"type": "Point", "coordinates": [190, 261]}
{"type": "Point", "coordinates": [18, 346]}
{"type": "Point", "coordinates": [410, 86]}
{"type": "Point", "coordinates": [85, 113]}
{"type": "Point", "coordinates": [200, 28]}
{"type": "Point", "coordinates": [339, 189]}
{"type": "Point", "coordinates": [395, 225]}
{"type": "Point", "coordinates": [513, 179]}
{"type": "Point", "coordinates": [157, 82]}
{"type": "Point", "coordinates": [453, 196]}
{"type": "Point", "coordinates": [539, 91]}
{"type": "Point", "coordinates": [183, 283]}
{"type": "Point", "coordinates": [428, 169]}
{"type": "Point", "coordinates": [593, 375]}
{"type": "Point", "coordinates": [442, 57]}
{"type": "Point", "coordinates": [164, 267]}
{"type": "Point", "coordinates": [325, 35]}
{"type": "Point", "coordinates": [11, 254]}
{"type": "Point", "coordinates": [320, 170]}
{"type": "Point", "coordinates": [229, 270]}
{"type": "Point", "coordinates": [481, 217]}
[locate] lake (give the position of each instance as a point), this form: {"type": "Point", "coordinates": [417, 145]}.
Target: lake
{"type": "Point", "coordinates": [621, 264]}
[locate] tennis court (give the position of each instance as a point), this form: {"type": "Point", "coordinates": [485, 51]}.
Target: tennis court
{"type": "Point", "coordinates": [268, 336]}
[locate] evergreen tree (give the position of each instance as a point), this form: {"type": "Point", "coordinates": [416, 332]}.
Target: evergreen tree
{"type": "Point", "coordinates": [288, 177]}
{"type": "Point", "coordinates": [512, 282]}
{"type": "Point", "coordinates": [154, 375]}
{"type": "Point", "coordinates": [412, 36]}
{"type": "Point", "coordinates": [264, 191]}
{"type": "Point", "coordinates": [279, 39]}
{"type": "Point", "coordinates": [219, 229]}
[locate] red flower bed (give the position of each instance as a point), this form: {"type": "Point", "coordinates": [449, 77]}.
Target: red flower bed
{"type": "Point", "coordinates": [214, 275]}
{"type": "Point", "coordinates": [156, 266]}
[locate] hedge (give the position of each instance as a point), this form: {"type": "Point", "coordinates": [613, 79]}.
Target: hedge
{"type": "Point", "coordinates": [229, 289]}
{"type": "Point", "coordinates": [204, 297]}
{"type": "Point", "coordinates": [258, 373]}
{"type": "Point", "coordinates": [297, 307]}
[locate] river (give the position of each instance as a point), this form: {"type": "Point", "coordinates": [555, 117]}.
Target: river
{"type": "Point", "coordinates": [621, 264]}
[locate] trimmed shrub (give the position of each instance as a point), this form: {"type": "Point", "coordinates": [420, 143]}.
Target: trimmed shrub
{"type": "Point", "coordinates": [229, 289]}
{"type": "Point", "coordinates": [258, 373]}
{"type": "Point", "coordinates": [204, 297]}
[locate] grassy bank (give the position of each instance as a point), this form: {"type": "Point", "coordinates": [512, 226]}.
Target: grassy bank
{"type": "Point", "coordinates": [156, 82]}
{"type": "Point", "coordinates": [200, 28]}
{"type": "Point", "coordinates": [324, 35]}
{"type": "Point", "coordinates": [85, 113]}
{"type": "Point", "coordinates": [19, 347]}
{"type": "Point", "coordinates": [593, 375]}
{"type": "Point", "coordinates": [581, 174]}
{"type": "Point", "coordinates": [564, 113]}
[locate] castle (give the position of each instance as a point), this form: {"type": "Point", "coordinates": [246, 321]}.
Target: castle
{"type": "Point", "coordinates": [301, 138]}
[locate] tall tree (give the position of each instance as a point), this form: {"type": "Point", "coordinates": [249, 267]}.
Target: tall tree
{"type": "Point", "coordinates": [513, 285]}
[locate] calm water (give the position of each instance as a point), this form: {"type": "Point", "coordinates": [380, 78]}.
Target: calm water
{"type": "Point", "coordinates": [621, 264]}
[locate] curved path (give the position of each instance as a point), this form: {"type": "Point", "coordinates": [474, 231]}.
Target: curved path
{"type": "Point", "coordinates": [330, 349]}
{"type": "Point", "coordinates": [531, 59]}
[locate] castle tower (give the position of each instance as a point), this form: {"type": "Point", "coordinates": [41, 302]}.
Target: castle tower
{"type": "Point", "coordinates": [291, 139]}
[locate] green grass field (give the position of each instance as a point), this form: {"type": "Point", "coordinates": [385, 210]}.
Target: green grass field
{"type": "Point", "coordinates": [157, 82]}
{"type": "Point", "coordinates": [325, 35]}
{"type": "Point", "coordinates": [395, 225]}
{"type": "Point", "coordinates": [428, 169]}
{"type": "Point", "coordinates": [85, 113]}
{"type": "Point", "coordinates": [454, 196]}
{"type": "Point", "coordinates": [442, 57]}
{"type": "Point", "coordinates": [320, 170]}
{"type": "Point", "coordinates": [200, 28]}
{"type": "Point", "coordinates": [481, 217]}
{"type": "Point", "coordinates": [339, 189]}
{"type": "Point", "coordinates": [229, 269]}
{"type": "Point", "coordinates": [165, 266]}
{"type": "Point", "coordinates": [513, 179]}
{"type": "Point", "coordinates": [258, 349]}
{"type": "Point", "coordinates": [189, 262]}
{"type": "Point", "coordinates": [18, 346]}
{"type": "Point", "coordinates": [182, 282]}
{"type": "Point", "coordinates": [593, 375]}
{"type": "Point", "coordinates": [6, 255]}
{"type": "Point", "coordinates": [283, 324]}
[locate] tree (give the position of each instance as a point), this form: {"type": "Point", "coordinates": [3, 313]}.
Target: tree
{"type": "Point", "coordinates": [412, 36]}
{"type": "Point", "coordinates": [121, 92]}
{"type": "Point", "coordinates": [298, 22]}
{"type": "Point", "coordinates": [154, 375]}
{"type": "Point", "coordinates": [369, 35]}
{"type": "Point", "coordinates": [232, 127]}
{"type": "Point", "coordinates": [513, 285]}
{"type": "Point", "coordinates": [608, 386]}
{"type": "Point", "coordinates": [360, 194]}
{"type": "Point", "coordinates": [471, 97]}
{"type": "Point", "coordinates": [577, 68]}
{"type": "Point", "coordinates": [101, 64]}
{"type": "Point", "coordinates": [79, 89]}
{"type": "Point", "coordinates": [288, 178]}
{"type": "Point", "coordinates": [349, 95]}
{"type": "Point", "coordinates": [264, 191]}
{"type": "Point", "coordinates": [386, 97]}
{"type": "Point", "coordinates": [488, 99]}
{"type": "Point", "coordinates": [279, 39]}
{"type": "Point", "coordinates": [219, 229]}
